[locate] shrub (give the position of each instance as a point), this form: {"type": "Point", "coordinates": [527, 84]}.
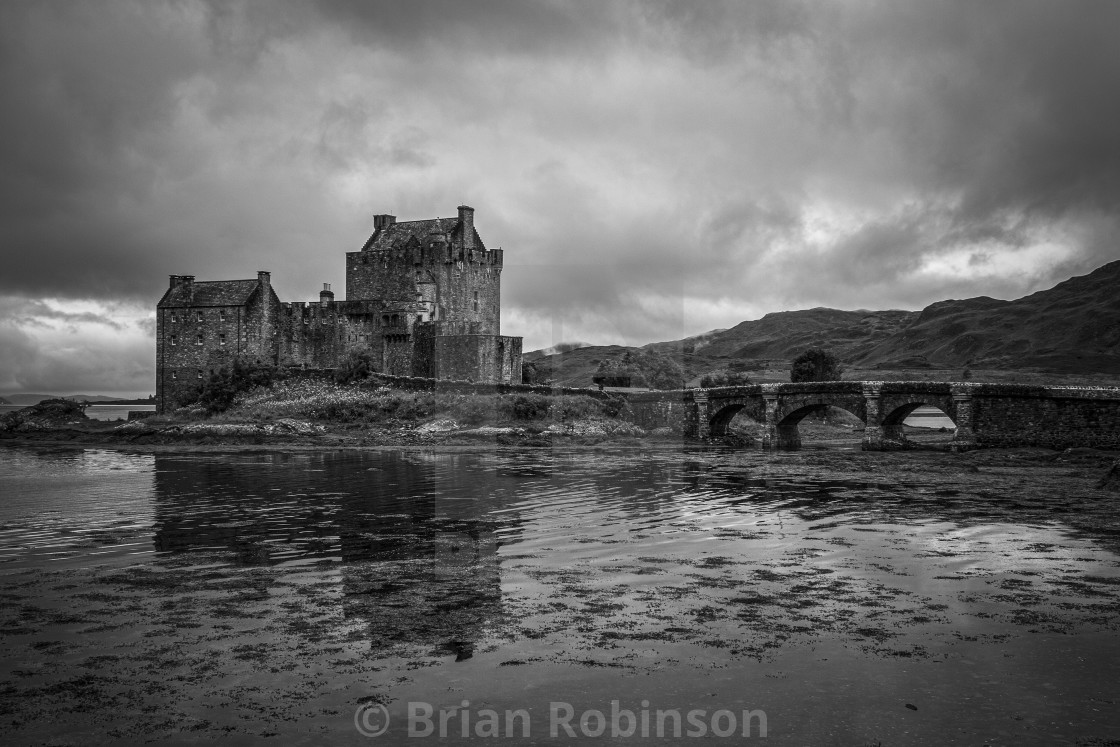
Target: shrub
{"type": "Point", "coordinates": [815, 364]}
{"type": "Point", "coordinates": [526, 406]}
{"type": "Point", "coordinates": [356, 366]}
{"type": "Point", "coordinates": [566, 408]}
{"type": "Point", "coordinates": [221, 389]}
{"type": "Point", "coordinates": [473, 410]}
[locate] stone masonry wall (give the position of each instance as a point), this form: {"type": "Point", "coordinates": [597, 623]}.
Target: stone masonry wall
{"type": "Point", "coordinates": [1056, 418]}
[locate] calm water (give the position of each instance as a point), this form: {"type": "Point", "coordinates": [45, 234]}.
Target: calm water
{"type": "Point", "coordinates": [269, 596]}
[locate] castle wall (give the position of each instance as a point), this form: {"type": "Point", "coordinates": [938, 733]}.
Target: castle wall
{"type": "Point", "coordinates": [195, 341]}
{"type": "Point", "coordinates": [462, 285]}
{"type": "Point", "coordinates": [423, 297]}
{"type": "Point", "coordinates": [482, 358]}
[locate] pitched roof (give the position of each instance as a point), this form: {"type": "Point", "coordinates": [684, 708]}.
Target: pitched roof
{"type": "Point", "coordinates": [210, 293]}
{"type": "Point", "coordinates": [398, 233]}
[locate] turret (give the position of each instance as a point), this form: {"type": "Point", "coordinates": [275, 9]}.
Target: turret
{"type": "Point", "coordinates": [466, 219]}
{"type": "Point", "coordinates": [326, 295]}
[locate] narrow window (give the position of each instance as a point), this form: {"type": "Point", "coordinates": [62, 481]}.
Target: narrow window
{"type": "Point", "coordinates": [200, 373]}
{"type": "Point", "coordinates": [221, 315]}
{"type": "Point", "coordinates": [198, 316]}
{"type": "Point", "coordinates": [198, 340]}
{"type": "Point", "coordinates": [174, 318]}
{"type": "Point", "coordinates": [222, 339]}
{"type": "Point", "coordinates": [174, 374]}
{"type": "Point", "coordinates": [174, 339]}
{"type": "Point", "coordinates": [476, 300]}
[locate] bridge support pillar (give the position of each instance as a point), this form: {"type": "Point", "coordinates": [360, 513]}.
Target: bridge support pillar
{"type": "Point", "coordinates": [703, 416]}
{"type": "Point", "coordinates": [965, 437]}
{"type": "Point", "coordinates": [873, 425]}
{"type": "Point", "coordinates": [771, 438]}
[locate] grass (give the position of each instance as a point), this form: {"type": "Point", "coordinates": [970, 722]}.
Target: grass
{"type": "Point", "coordinates": [351, 404]}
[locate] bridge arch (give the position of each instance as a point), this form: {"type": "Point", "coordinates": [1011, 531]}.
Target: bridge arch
{"type": "Point", "coordinates": [726, 410]}
{"type": "Point", "coordinates": [788, 432]}
{"type": "Point", "coordinates": [895, 407]}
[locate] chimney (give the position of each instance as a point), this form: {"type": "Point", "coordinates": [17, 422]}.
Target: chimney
{"type": "Point", "coordinates": [181, 280]}
{"type": "Point", "coordinates": [466, 219]}
{"type": "Point", "coordinates": [326, 295]}
{"type": "Point", "coordinates": [264, 277]}
{"type": "Point", "coordinates": [383, 221]}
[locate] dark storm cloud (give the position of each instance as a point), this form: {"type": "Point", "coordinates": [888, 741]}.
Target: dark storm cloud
{"type": "Point", "coordinates": [721, 158]}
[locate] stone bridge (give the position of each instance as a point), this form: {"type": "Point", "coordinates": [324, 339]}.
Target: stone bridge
{"type": "Point", "coordinates": [985, 414]}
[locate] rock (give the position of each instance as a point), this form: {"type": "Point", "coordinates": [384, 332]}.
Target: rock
{"type": "Point", "coordinates": [288, 425]}
{"type": "Point", "coordinates": [438, 426]}
{"type": "Point", "coordinates": [50, 414]}
{"type": "Point", "coordinates": [489, 431]}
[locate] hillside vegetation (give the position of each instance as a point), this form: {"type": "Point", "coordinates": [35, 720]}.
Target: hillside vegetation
{"type": "Point", "coordinates": [1072, 329]}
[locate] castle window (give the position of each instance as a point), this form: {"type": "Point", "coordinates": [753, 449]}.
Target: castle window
{"type": "Point", "coordinates": [174, 339]}
{"type": "Point", "coordinates": [198, 316]}
{"type": "Point", "coordinates": [476, 300]}
{"type": "Point", "coordinates": [221, 315]}
{"type": "Point", "coordinates": [200, 373]}
{"type": "Point", "coordinates": [174, 374]}
{"type": "Point", "coordinates": [198, 340]}
{"type": "Point", "coordinates": [222, 339]}
{"type": "Point", "coordinates": [174, 318]}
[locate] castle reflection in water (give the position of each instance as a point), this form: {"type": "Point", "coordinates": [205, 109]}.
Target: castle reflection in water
{"type": "Point", "coordinates": [415, 536]}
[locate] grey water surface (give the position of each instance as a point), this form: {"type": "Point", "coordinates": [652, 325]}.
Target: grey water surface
{"type": "Point", "coordinates": [283, 597]}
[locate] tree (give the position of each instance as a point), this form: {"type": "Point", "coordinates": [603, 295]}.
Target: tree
{"type": "Point", "coordinates": [638, 368]}
{"type": "Point", "coordinates": [220, 390]}
{"type": "Point", "coordinates": [816, 364]}
{"type": "Point", "coordinates": [536, 372]}
{"type": "Point", "coordinates": [724, 378]}
{"type": "Point", "coordinates": [357, 365]}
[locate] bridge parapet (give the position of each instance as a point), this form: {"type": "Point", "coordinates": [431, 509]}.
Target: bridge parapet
{"type": "Point", "coordinates": [985, 414]}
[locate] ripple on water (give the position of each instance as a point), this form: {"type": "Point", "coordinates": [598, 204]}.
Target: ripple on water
{"type": "Point", "coordinates": [303, 581]}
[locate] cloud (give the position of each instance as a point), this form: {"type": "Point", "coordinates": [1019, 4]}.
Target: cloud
{"type": "Point", "coordinates": [650, 167]}
{"type": "Point", "coordinates": [67, 347]}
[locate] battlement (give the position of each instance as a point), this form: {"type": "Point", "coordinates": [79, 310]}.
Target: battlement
{"type": "Point", "coordinates": [434, 254]}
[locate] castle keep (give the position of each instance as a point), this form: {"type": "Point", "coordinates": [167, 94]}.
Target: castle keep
{"type": "Point", "coordinates": [422, 297]}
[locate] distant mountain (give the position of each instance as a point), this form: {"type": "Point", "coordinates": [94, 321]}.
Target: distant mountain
{"type": "Point", "coordinates": [1073, 327]}
{"type": "Point", "coordinates": [785, 334]}
{"type": "Point", "coordinates": [34, 399]}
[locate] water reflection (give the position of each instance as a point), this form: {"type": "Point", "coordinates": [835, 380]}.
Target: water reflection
{"type": "Point", "coordinates": [229, 588]}
{"type": "Point", "coordinates": [417, 535]}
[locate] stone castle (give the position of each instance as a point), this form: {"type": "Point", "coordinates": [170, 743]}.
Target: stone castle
{"type": "Point", "coordinates": [422, 297]}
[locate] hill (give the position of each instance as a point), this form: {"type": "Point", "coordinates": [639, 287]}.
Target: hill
{"type": "Point", "coordinates": [1072, 328]}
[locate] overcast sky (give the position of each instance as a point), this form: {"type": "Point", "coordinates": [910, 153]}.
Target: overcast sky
{"type": "Point", "coordinates": [652, 169]}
